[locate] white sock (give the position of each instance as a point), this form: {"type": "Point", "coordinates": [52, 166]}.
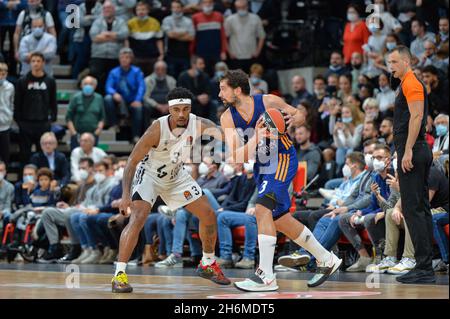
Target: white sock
{"type": "Point", "coordinates": [120, 267]}
{"type": "Point", "coordinates": [310, 243]}
{"type": "Point", "coordinates": [208, 259]}
{"type": "Point", "coordinates": [266, 252]}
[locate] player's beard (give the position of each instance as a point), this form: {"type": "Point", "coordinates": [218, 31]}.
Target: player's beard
{"type": "Point", "coordinates": [234, 102]}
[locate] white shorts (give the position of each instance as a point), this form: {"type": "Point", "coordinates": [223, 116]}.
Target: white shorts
{"type": "Point", "coordinates": [182, 191]}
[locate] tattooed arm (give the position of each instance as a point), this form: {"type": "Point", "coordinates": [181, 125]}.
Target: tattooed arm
{"type": "Point", "coordinates": [149, 140]}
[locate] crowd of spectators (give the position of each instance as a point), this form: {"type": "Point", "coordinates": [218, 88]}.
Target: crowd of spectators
{"type": "Point", "coordinates": [128, 55]}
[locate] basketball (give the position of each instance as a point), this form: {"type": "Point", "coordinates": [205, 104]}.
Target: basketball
{"type": "Point", "coordinates": [274, 121]}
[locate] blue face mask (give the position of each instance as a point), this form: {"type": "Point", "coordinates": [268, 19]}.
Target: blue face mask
{"type": "Point", "coordinates": [347, 120]}
{"type": "Point", "coordinates": [390, 45]}
{"type": "Point", "coordinates": [88, 89]}
{"type": "Point", "coordinates": [373, 28]}
{"type": "Point", "coordinates": [441, 130]}
{"type": "Point", "coordinates": [242, 13]}
{"type": "Point", "coordinates": [219, 74]}
{"type": "Point", "coordinates": [38, 32]}
{"type": "Point", "coordinates": [255, 80]}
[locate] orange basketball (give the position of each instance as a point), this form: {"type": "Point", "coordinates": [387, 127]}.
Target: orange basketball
{"type": "Point", "coordinates": [274, 121]}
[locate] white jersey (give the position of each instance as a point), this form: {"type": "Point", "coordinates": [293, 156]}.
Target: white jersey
{"type": "Point", "coordinates": [161, 172]}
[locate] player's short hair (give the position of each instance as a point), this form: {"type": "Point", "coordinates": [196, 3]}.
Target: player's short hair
{"type": "Point", "coordinates": [358, 159]}
{"type": "Point", "coordinates": [403, 50]}
{"type": "Point", "coordinates": [88, 160]}
{"type": "Point", "coordinates": [238, 79]}
{"type": "Point", "coordinates": [45, 171]}
{"type": "Point", "coordinates": [180, 93]}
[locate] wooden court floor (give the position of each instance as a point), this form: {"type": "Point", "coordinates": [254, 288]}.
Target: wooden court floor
{"type": "Point", "coordinates": [30, 284]}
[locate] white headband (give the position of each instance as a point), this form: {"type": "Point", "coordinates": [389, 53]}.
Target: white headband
{"type": "Point", "coordinates": [179, 101]}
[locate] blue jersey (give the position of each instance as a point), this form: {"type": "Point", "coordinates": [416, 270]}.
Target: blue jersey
{"type": "Point", "coordinates": [276, 160]}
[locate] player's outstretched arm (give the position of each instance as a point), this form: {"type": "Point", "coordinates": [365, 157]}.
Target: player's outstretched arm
{"type": "Point", "coordinates": [146, 142]}
{"type": "Point", "coordinates": [294, 116]}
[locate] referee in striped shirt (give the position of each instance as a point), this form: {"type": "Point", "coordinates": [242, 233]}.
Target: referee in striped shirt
{"type": "Point", "coordinates": [415, 158]}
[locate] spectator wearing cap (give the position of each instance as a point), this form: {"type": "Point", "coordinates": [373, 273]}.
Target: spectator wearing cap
{"type": "Point", "coordinates": [86, 112]}
{"type": "Point", "coordinates": [146, 38]}
{"type": "Point", "coordinates": [37, 41]}
{"type": "Point", "coordinates": [356, 33]}
{"type": "Point", "coordinates": [210, 39]}
{"type": "Point", "coordinates": [54, 160]}
{"type": "Point", "coordinates": [108, 34]}
{"type": "Point", "coordinates": [6, 112]}
{"type": "Point", "coordinates": [158, 85]}
{"type": "Point", "coordinates": [125, 89]}
{"type": "Point", "coordinates": [89, 11]}
{"type": "Point", "coordinates": [86, 149]}
{"type": "Point", "coordinates": [418, 30]}
{"type": "Point", "coordinates": [246, 36]}
{"type": "Point", "coordinates": [179, 31]}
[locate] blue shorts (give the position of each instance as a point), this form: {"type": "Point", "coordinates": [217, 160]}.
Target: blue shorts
{"type": "Point", "coordinates": [276, 186]}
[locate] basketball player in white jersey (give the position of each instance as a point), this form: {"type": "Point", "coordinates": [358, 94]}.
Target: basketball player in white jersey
{"type": "Point", "coordinates": [160, 155]}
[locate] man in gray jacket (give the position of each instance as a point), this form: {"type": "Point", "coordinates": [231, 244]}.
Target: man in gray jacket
{"type": "Point", "coordinates": [108, 34]}
{"type": "Point", "coordinates": [6, 112]}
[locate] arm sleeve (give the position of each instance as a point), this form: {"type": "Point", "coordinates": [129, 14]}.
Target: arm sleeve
{"type": "Point", "coordinates": [412, 89]}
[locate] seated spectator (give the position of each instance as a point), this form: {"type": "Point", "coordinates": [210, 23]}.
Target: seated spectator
{"type": "Point", "coordinates": [44, 194]}
{"type": "Point", "coordinates": [157, 86]}
{"type": "Point", "coordinates": [356, 33]}
{"type": "Point", "coordinates": [299, 87]}
{"type": "Point", "coordinates": [347, 133]}
{"type": "Point", "coordinates": [418, 30]}
{"type": "Point", "coordinates": [256, 81]}
{"type": "Point", "coordinates": [210, 41]}
{"type": "Point", "coordinates": [180, 32]}
{"type": "Point", "coordinates": [387, 132]}
{"type": "Point", "coordinates": [37, 41]}
{"type": "Point", "coordinates": [6, 112]}
{"type": "Point", "coordinates": [311, 117]}
{"type": "Point", "coordinates": [88, 11]}
{"type": "Point", "coordinates": [345, 86]}
{"type": "Point", "coordinates": [52, 159]}
{"type": "Point", "coordinates": [23, 188]}
{"type": "Point", "coordinates": [234, 212]}
{"type": "Point", "coordinates": [38, 89]}
{"type": "Point", "coordinates": [370, 132]}
{"type": "Point", "coordinates": [34, 10]}
{"type": "Point", "coordinates": [307, 151]}
{"type": "Point", "coordinates": [385, 96]}
{"type": "Point", "coordinates": [429, 57]}
{"type": "Point", "coordinates": [97, 197]}
{"type": "Point", "coordinates": [197, 82]}
{"type": "Point", "coordinates": [86, 149]}
{"type": "Point", "coordinates": [86, 112]}
{"type": "Point", "coordinates": [108, 34]}
{"type": "Point", "coordinates": [442, 37]}
{"type": "Point", "coordinates": [437, 89]}
{"type": "Point", "coordinates": [354, 193]}
{"type": "Point", "coordinates": [440, 146]}
{"type": "Point", "coordinates": [332, 85]}
{"type": "Point", "coordinates": [146, 38]}
{"type": "Point", "coordinates": [246, 36]}
{"type": "Point", "coordinates": [372, 216]}
{"type": "Point", "coordinates": [372, 110]}
{"type": "Point", "coordinates": [337, 65]}
{"type": "Point", "coordinates": [125, 90]}
{"type": "Point", "coordinates": [52, 217]}
{"type": "Point", "coordinates": [6, 195]}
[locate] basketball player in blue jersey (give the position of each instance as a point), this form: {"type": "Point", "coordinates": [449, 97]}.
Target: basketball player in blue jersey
{"type": "Point", "coordinates": [273, 173]}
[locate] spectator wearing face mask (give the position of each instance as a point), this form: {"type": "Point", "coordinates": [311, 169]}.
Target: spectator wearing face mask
{"type": "Point", "coordinates": [37, 41]}
{"type": "Point", "coordinates": [256, 81]}
{"type": "Point", "coordinates": [437, 90]}
{"type": "Point", "coordinates": [179, 31]}
{"type": "Point", "coordinates": [440, 146]}
{"type": "Point", "coordinates": [372, 216]}
{"type": "Point", "coordinates": [356, 33]}
{"type": "Point", "coordinates": [210, 39]}
{"type": "Point", "coordinates": [86, 112]}
{"type": "Point", "coordinates": [6, 194]}
{"type": "Point", "coordinates": [219, 71]}
{"type": "Point", "coordinates": [6, 112]}
{"type": "Point", "coordinates": [146, 38]}
{"type": "Point", "coordinates": [246, 36]}
{"type": "Point", "coordinates": [52, 217]}
{"type": "Point", "coordinates": [337, 65]}
{"type": "Point", "coordinates": [157, 86]}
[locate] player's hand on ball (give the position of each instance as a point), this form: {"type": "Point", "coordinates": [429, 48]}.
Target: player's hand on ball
{"type": "Point", "coordinates": [124, 207]}
{"type": "Point", "coordinates": [294, 120]}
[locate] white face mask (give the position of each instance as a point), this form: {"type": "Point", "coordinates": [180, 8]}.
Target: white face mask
{"type": "Point", "coordinates": [119, 173]}
{"type": "Point", "coordinates": [83, 174]}
{"type": "Point", "coordinates": [99, 177]}
{"type": "Point", "coordinates": [346, 171]}
{"type": "Point", "coordinates": [228, 170]}
{"type": "Point", "coordinates": [378, 165]}
{"type": "Point", "coordinates": [352, 17]}
{"type": "Point", "coordinates": [369, 161]}
{"type": "Point", "coordinates": [394, 164]}
{"type": "Point", "coordinates": [28, 178]}
{"type": "Point", "coordinates": [248, 167]}
{"type": "Point", "coordinates": [203, 169]}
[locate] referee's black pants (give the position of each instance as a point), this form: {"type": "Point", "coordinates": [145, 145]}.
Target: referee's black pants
{"type": "Point", "coordinates": [416, 204]}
